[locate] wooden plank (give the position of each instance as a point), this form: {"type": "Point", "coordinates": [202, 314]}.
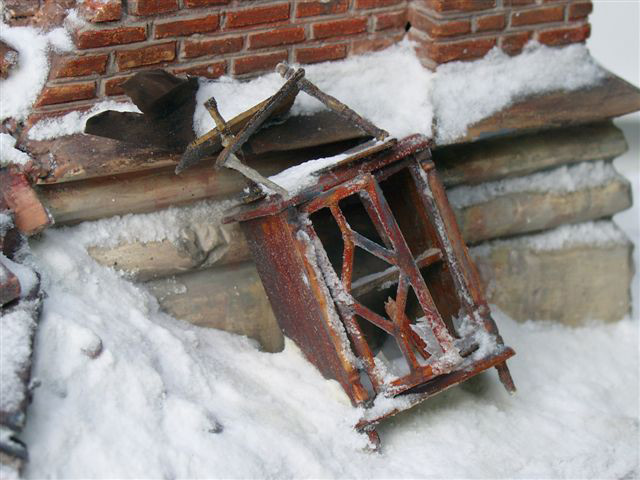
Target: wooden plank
{"type": "Point", "coordinates": [571, 285]}
{"type": "Point", "coordinates": [507, 157]}
{"type": "Point", "coordinates": [611, 98]}
{"type": "Point", "coordinates": [517, 213]}
{"type": "Point", "coordinates": [231, 299]}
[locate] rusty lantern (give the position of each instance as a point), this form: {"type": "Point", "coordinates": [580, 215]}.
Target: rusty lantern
{"type": "Point", "coordinates": [367, 273]}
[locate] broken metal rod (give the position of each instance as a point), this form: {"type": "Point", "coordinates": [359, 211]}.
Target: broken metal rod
{"type": "Point", "coordinates": [289, 88]}
{"type": "Point", "coordinates": [225, 134]}
{"type": "Point", "coordinates": [332, 103]}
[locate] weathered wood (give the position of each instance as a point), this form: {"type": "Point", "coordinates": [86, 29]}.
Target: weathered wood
{"type": "Point", "coordinates": [303, 131]}
{"type": "Point", "coordinates": [230, 298]}
{"type": "Point", "coordinates": [223, 245]}
{"type": "Point", "coordinates": [81, 157]}
{"type": "Point", "coordinates": [498, 158]}
{"type": "Point", "coordinates": [611, 98]}
{"type": "Point", "coordinates": [9, 285]}
{"type": "Point", "coordinates": [518, 213]}
{"type": "Point", "coordinates": [570, 285]}
{"type": "Point", "coordinates": [145, 191]}
{"type": "Point", "coordinates": [30, 216]}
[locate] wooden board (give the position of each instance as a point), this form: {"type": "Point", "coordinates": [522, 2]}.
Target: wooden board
{"type": "Point", "coordinates": [611, 98]}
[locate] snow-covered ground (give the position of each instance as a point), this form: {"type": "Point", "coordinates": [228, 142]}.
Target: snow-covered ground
{"type": "Point", "coordinates": [126, 391]}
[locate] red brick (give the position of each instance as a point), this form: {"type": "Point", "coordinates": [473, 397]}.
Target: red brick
{"type": "Point", "coordinates": [69, 92]}
{"type": "Point", "coordinates": [518, 3]}
{"type": "Point", "coordinates": [463, 50]}
{"type": "Point", "coordinates": [209, 70]}
{"type": "Point", "coordinates": [446, 6]}
{"type": "Point", "coordinates": [580, 10]}
{"type": "Point", "coordinates": [361, 4]}
{"type": "Point", "coordinates": [321, 54]}
{"type": "Point", "coordinates": [78, 66]}
{"type": "Point", "coordinates": [386, 21]}
{"type": "Point", "coordinates": [539, 15]}
{"type": "Point", "coordinates": [106, 38]}
{"type": "Point", "coordinates": [438, 29]}
{"type": "Point", "coordinates": [152, 7]}
{"type": "Point", "coordinates": [204, 3]}
{"type": "Point", "coordinates": [374, 44]}
{"type": "Point", "coordinates": [151, 55]}
{"type": "Point", "coordinates": [257, 16]}
{"type": "Point", "coordinates": [514, 43]}
{"type": "Point", "coordinates": [313, 8]}
{"type": "Point", "coordinates": [216, 46]}
{"type": "Point", "coordinates": [338, 28]}
{"type": "Point", "coordinates": [272, 38]}
{"type": "Point", "coordinates": [187, 27]}
{"type": "Point", "coordinates": [97, 11]}
{"type": "Point", "coordinates": [113, 86]}
{"type": "Point", "coordinates": [564, 36]}
{"type": "Point", "coordinates": [21, 8]}
{"type": "Point", "coordinates": [258, 63]}
{"type": "Point", "coordinates": [490, 23]}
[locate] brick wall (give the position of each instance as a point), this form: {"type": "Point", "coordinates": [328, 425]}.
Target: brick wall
{"type": "Point", "coordinates": [448, 30]}
{"type": "Point", "coordinates": [245, 38]}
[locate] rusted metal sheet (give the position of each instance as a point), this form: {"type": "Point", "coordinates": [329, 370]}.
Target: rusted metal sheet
{"type": "Point", "coordinates": [416, 289]}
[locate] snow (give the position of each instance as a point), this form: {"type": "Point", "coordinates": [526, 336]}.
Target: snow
{"type": "Point", "coordinates": [457, 95]}
{"type": "Point", "coordinates": [564, 179]}
{"type": "Point", "coordinates": [16, 330]}
{"type": "Point", "coordinates": [20, 90]}
{"type": "Point", "coordinates": [9, 154]}
{"type": "Point", "coordinates": [167, 399]}
{"type": "Point", "coordinates": [394, 104]}
{"type": "Point", "coordinates": [26, 276]}
{"type": "Point", "coordinates": [601, 233]}
{"type": "Point", "coordinates": [466, 92]}
{"type": "Point", "coordinates": [74, 122]}
{"type": "Point", "coordinates": [167, 224]}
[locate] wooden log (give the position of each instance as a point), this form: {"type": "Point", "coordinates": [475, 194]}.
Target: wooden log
{"type": "Point", "coordinates": [225, 245]}
{"type": "Point", "coordinates": [506, 215]}
{"type": "Point", "coordinates": [613, 97]}
{"type": "Point", "coordinates": [81, 157]}
{"type": "Point", "coordinates": [30, 215]}
{"type": "Point", "coordinates": [498, 158]}
{"type": "Point", "coordinates": [72, 202]}
{"type": "Point", "coordinates": [517, 213]}
{"type": "Point", "coordinates": [228, 298]}
{"type": "Point", "coordinates": [571, 284]}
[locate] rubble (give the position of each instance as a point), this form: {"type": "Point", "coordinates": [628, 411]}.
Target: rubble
{"type": "Point", "coordinates": [8, 59]}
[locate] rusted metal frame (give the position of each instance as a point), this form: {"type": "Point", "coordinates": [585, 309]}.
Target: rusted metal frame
{"type": "Point", "coordinates": [374, 249]}
{"type": "Point", "coordinates": [395, 310]}
{"type": "Point", "coordinates": [334, 195]}
{"type": "Point", "coordinates": [371, 316]}
{"type": "Point", "coordinates": [274, 205]}
{"type": "Point", "coordinates": [349, 246]}
{"type": "Point", "coordinates": [401, 302]}
{"type": "Point", "coordinates": [438, 385]}
{"type": "Point", "coordinates": [425, 259]}
{"type": "Point", "coordinates": [332, 103]}
{"type": "Point", "coordinates": [346, 313]}
{"type": "Point", "coordinates": [377, 205]}
{"type": "Point", "coordinates": [424, 176]}
{"type": "Point", "coordinates": [421, 176]}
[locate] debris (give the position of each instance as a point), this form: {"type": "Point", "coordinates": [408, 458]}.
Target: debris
{"type": "Point", "coordinates": [167, 104]}
{"type": "Point", "coordinates": [8, 59]}
{"type": "Point", "coordinates": [319, 265]}
{"type": "Point", "coordinates": [20, 303]}
{"type": "Point", "coordinates": [31, 216]}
